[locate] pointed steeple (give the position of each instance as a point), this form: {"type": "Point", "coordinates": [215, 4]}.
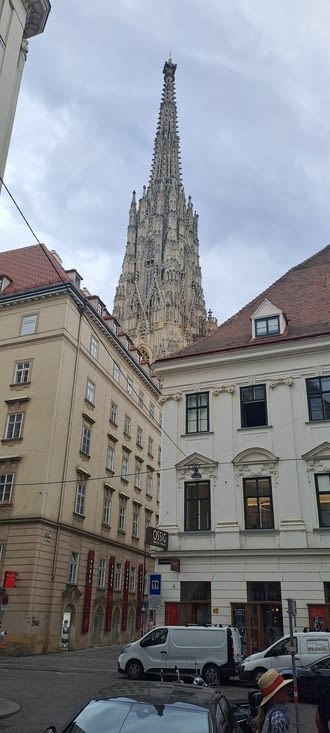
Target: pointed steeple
{"type": "Point", "coordinates": [166, 167]}
{"type": "Point", "coordinates": [159, 300]}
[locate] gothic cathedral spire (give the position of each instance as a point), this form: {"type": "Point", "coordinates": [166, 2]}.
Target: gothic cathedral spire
{"type": "Point", "coordinates": [159, 300]}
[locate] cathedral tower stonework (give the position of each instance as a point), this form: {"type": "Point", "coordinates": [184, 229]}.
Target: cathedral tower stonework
{"type": "Point", "coordinates": [159, 299]}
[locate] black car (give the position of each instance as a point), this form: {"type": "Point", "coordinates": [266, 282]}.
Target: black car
{"type": "Point", "coordinates": [158, 706]}
{"type": "Point", "coordinates": [310, 679]}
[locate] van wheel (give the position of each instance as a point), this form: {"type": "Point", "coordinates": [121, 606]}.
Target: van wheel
{"type": "Point", "coordinates": [211, 674]}
{"type": "Point", "coordinates": [257, 673]}
{"type": "Point", "coordinates": [134, 669]}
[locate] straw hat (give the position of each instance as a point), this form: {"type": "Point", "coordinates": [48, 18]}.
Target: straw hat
{"type": "Point", "coordinates": [270, 683]}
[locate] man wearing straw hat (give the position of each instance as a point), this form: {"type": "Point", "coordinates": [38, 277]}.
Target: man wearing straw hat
{"type": "Point", "coordinates": [273, 715]}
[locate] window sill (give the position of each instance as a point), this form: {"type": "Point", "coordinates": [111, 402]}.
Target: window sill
{"type": "Point", "coordinates": [90, 403]}
{"type": "Point", "coordinates": [121, 531]}
{"type": "Point", "coordinates": [6, 504]}
{"type": "Point", "coordinates": [115, 424]}
{"type": "Point", "coordinates": [134, 538]}
{"type": "Point", "coordinates": [85, 455]}
{"type": "Point", "coordinates": [14, 385]}
{"type": "Point", "coordinates": [124, 480]}
{"type": "Point", "coordinates": [255, 530]}
{"type": "Point", "coordinates": [110, 471]}
{"type": "Point", "coordinates": [255, 427]}
{"type": "Point", "coordinates": [106, 526]}
{"type": "Point", "coordinates": [78, 517]}
{"type": "Point", "coordinates": [11, 441]}
{"type": "Point", "coordinates": [317, 422]}
{"type": "Point", "coordinates": [202, 433]}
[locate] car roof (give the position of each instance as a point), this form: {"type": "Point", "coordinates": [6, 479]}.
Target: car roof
{"type": "Point", "coordinates": [163, 693]}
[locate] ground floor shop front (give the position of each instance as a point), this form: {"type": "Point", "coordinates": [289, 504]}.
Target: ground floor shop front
{"type": "Point", "coordinates": [251, 595]}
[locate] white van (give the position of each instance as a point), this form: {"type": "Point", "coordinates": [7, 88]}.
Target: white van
{"type": "Point", "coordinates": [214, 652]}
{"type": "Point", "coordinates": [310, 646]}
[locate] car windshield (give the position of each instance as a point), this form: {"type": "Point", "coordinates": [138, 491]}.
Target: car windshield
{"type": "Point", "coordinates": [114, 716]}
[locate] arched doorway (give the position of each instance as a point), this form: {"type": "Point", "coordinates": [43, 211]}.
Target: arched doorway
{"type": "Point", "coordinates": [97, 625]}
{"type": "Point", "coordinates": [115, 626]}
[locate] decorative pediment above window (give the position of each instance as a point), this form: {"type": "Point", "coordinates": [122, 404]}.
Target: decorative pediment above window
{"type": "Point", "coordinates": [255, 462]}
{"type": "Point", "coordinates": [320, 453]}
{"type": "Point", "coordinates": [205, 466]}
{"type": "Point", "coordinates": [267, 321]}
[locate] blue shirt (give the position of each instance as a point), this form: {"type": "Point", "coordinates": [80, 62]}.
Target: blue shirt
{"type": "Point", "coordinates": [277, 719]}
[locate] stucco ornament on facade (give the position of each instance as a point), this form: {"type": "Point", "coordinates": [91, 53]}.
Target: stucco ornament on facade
{"type": "Point", "coordinates": [230, 388]}
{"type": "Point", "coordinates": [166, 398]}
{"type": "Point", "coordinates": [287, 381]}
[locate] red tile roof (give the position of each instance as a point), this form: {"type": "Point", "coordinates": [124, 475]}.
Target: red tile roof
{"type": "Point", "coordinates": [29, 268]}
{"type": "Point", "coordinates": [302, 294]}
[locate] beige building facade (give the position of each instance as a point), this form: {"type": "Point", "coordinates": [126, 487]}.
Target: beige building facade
{"type": "Point", "coordinates": [20, 20]}
{"type": "Point", "coordinates": [79, 462]}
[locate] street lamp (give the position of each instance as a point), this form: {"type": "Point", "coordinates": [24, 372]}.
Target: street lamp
{"type": "Point", "coordinates": [196, 474]}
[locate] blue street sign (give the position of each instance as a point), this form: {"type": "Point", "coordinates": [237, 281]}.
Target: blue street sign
{"type": "Point", "coordinates": [155, 582]}
{"type": "Point", "coordinates": [144, 606]}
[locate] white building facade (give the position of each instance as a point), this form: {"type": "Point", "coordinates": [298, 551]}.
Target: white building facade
{"type": "Point", "coordinates": [19, 21]}
{"type": "Point", "coordinates": [245, 481]}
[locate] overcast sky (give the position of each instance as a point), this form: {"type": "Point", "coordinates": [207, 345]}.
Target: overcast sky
{"type": "Point", "coordinates": [253, 98]}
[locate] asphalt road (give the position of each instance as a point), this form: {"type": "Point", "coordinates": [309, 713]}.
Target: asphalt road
{"type": "Point", "coordinates": [50, 687]}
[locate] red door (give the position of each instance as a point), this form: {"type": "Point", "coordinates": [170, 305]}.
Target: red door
{"type": "Point", "coordinates": [317, 618]}
{"type": "Point", "coordinates": [171, 614]}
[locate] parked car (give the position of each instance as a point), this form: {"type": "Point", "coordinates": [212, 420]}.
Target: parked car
{"type": "Point", "coordinates": [310, 646]}
{"type": "Point", "coordinates": [310, 679]}
{"type": "Point", "coordinates": [160, 706]}
{"type": "Point", "coordinates": [215, 652]}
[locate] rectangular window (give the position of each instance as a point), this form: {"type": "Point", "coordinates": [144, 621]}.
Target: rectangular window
{"type": "Point", "coordinates": [127, 426]}
{"type": "Point", "coordinates": [148, 519]}
{"type": "Point", "coordinates": [129, 385]}
{"type": "Point", "coordinates": [114, 413]}
{"type": "Point", "coordinates": [79, 506]}
{"type": "Point", "coordinates": [22, 373]}
{"type": "Point", "coordinates": [94, 347]}
{"type": "Point", "coordinates": [99, 308]}
{"type": "Point", "coordinates": [90, 392]}
{"type": "Point", "coordinates": [258, 503]}
{"type": "Point", "coordinates": [122, 515]}
{"type": "Point", "coordinates": [85, 440]}
{"type": "Point", "coordinates": [117, 580]}
{"type": "Point", "coordinates": [132, 580]}
{"type": "Point", "coordinates": [159, 455]}
{"type": "Point", "coordinates": [6, 486]}
{"type": "Point", "coordinates": [106, 515]}
{"type": "Point", "coordinates": [116, 372]}
{"type": "Point", "coordinates": [124, 469]}
{"type": "Point", "coordinates": [197, 413]}
{"type": "Point", "coordinates": [137, 479]}
{"type": "Point", "coordinates": [73, 567]}
{"type": "Point", "coordinates": [101, 573]}
{"type": "Point", "coordinates": [152, 410]}
{"type": "Point", "coordinates": [267, 326]}
{"type": "Point", "coordinates": [14, 426]}
{"type": "Point", "coordinates": [139, 437]}
{"type": "Point", "coordinates": [322, 482]}
{"type": "Point", "coordinates": [110, 458]}
{"type": "Point", "coordinates": [263, 591]}
{"type": "Point", "coordinates": [197, 506]}
{"type": "Point", "coordinates": [150, 447]}
{"type": "Point", "coordinates": [318, 396]}
{"type": "Point", "coordinates": [158, 488]}
{"type": "Point", "coordinates": [253, 406]}
{"type": "Point", "coordinates": [141, 398]}
{"type": "Point", "coordinates": [29, 324]}
{"type": "Point", "coordinates": [149, 483]}
{"type": "Point", "coordinates": [135, 525]}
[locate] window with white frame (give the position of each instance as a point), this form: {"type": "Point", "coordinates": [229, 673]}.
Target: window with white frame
{"type": "Point", "coordinates": [106, 515]}
{"type": "Point", "coordinates": [137, 478]}
{"type": "Point", "coordinates": [139, 437]}
{"type": "Point", "coordinates": [322, 484]}
{"type": "Point", "coordinates": [114, 413]}
{"type": "Point", "coordinates": [152, 409]}
{"type": "Point", "coordinates": [127, 426]}
{"type": "Point", "coordinates": [29, 324]}
{"type": "Point", "coordinates": [150, 447]}
{"type": "Point", "coordinates": [132, 580]}
{"type": "Point", "coordinates": [73, 567]}
{"type": "Point", "coordinates": [85, 440]}
{"type": "Point", "coordinates": [6, 486]}
{"type": "Point", "coordinates": [122, 515]}
{"type": "Point", "coordinates": [110, 458]}
{"type": "Point", "coordinates": [129, 386]}
{"type": "Point", "coordinates": [94, 347]}
{"type": "Point", "coordinates": [136, 521]}
{"type": "Point", "coordinates": [117, 579]}
{"type": "Point", "coordinates": [197, 412]}
{"type": "Point", "coordinates": [318, 397]}
{"type": "Point", "coordinates": [80, 498]}
{"type": "Point", "coordinates": [90, 392]}
{"type": "Point", "coordinates": [149, 483]}
{"type": "Point", "coordinates": [148, 518]}
{"type": "Point", "coordinates": [14, 426]}
{"type": "Point", "coordinates": [101, 573]}
{"type": "Point", "coordinates": [22, 374]}
{"type": "Point", "coordinates": [124, 468]}
{"type": "Point", "coordinates": [116, 372]}
{"type": "Point", "coordinates": [268, 326]}
{"type": "Point", "coordinates": [99, 308]}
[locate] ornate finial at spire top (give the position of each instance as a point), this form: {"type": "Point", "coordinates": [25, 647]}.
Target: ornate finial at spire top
{"type": "Point", "coordinates": [170, 60]}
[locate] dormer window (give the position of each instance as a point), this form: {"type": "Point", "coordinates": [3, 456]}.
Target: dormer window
{"type": "Point", "coordinates": [4, 281]}
{"type": "Point", "coordinates": [267, 326]}
{"type": "Point", "coordinates": [267, 321]}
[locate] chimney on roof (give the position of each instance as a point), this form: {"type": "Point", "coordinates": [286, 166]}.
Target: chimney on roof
{"type": "Point", "coordinates": [57, 256]}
